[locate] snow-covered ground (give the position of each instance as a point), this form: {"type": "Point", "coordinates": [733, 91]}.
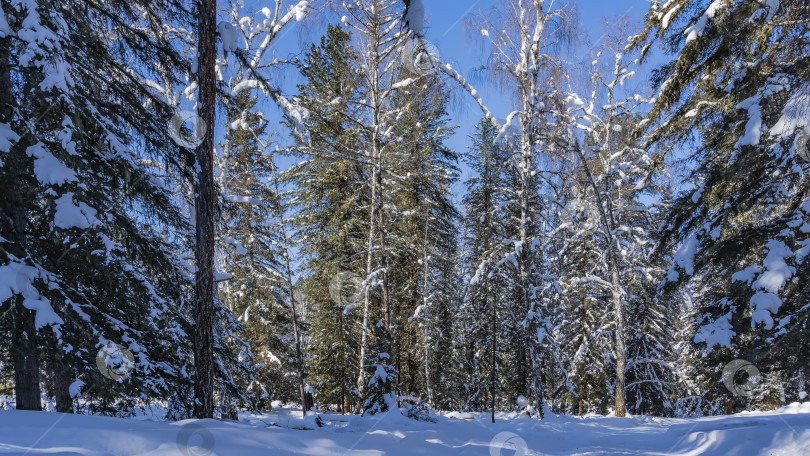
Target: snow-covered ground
{"type": "Point", "coordinates": [782, 432]}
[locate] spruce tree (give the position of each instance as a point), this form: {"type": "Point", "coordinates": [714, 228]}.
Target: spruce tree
{"type": "Point", "coordinates": [729, 101]}
{"type": "Point", "coordinates": [249, 254]}
{"type": "Point", "coordinates": [484, 233]}
{"type": "Point", "coordinates": [93, 228]}
{"type": "Point", "coordinates": [329, 198]}
{"type": "Point", "coordinates": [422, 232]}
{"type": "Point", "coordinates": [378, 22]}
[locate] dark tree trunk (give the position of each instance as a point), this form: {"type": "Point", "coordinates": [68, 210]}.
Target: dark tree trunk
{"type": "Point", "coordinates": [299, 354]}
{"type": "Point", "coordinates": [346, 406]}
{"type": "Point", "coordinates": [729, 407]}
{"type": "Point", "coordinates": [61, 381]}
{"type": "Point", "coordinates": [13, 228]}
{"type": "Point", "coordinates": [26, 361]}
{"type": "Point", "coordinates": [204, 205]}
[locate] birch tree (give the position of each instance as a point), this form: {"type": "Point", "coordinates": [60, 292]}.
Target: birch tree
{"type": "Point", "coordinates": [614, 171]}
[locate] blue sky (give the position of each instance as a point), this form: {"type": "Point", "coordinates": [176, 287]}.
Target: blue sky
{"type": "Point", "coordinates": [445, 28]}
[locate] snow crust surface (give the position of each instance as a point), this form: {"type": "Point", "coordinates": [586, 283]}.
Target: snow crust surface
{"type": "Point", "coordinates": [283, 432]}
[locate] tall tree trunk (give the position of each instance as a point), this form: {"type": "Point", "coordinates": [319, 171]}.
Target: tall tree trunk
{"type": "Point", "coordinates": [621, 351]}
{"type": "Point", "coordinates": [375, 225]}
{"type": "Point", "coordinates": [532, 380]}
{"type": "Point", "coordinates": [13, 227]}
{"type": "Point", "coordinates": [299, 356]}
{"type": "Point", "coordinates": [617, 291]}
{"type": "Point", "coordinates": [537, 385]}
{"type": "Point", "coordinates": [425, 302]}
{"type": "Point", "coordinates": [386, 295]}
{"type": "Point", "coordinates": [361, 378]}
{"type": "Point", "coordinates": [344, 372]}
{"type": "Point", "coordinates": [492, 324]}
{"type": "Point", "coordinates": [376, 141]}
{"type": "Point", "coordinates": [204, 205]}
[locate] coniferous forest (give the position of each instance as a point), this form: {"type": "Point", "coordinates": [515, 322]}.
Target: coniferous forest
{"type": "Point", "coordinates": [225, 206]}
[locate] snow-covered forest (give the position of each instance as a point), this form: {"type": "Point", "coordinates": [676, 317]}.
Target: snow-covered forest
{"type": "Point", "coordinates": [224, 209]}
